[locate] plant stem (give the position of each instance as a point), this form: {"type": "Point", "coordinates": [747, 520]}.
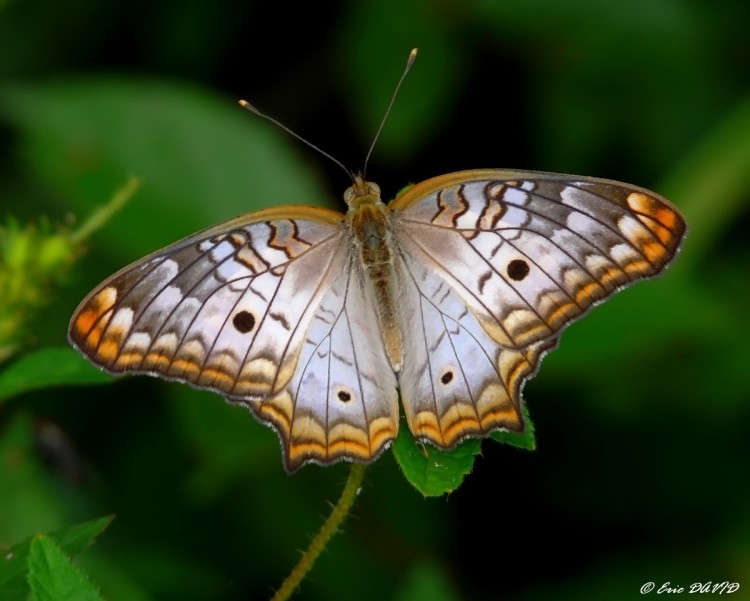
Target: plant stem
{"type": "Point", "coordinates": [101, 215]}
{"type": "Point", "coordinates": [329, 528]}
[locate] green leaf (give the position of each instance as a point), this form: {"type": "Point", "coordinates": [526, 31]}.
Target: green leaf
{"type": "Point", "coordinates": [70, 540]}
{"type": "Point", "coordinates": [434, 472]}
{"type": "Point", "coordinates": [52, 575]}
{"type": "Point", "coordinates": [48, 367]}
{"type": "Point", "coordinates": [431, 471]}
{"type": "Point", "coordinates": [77, 538]}
{"type": "Point", "coordinates": [522, 440]}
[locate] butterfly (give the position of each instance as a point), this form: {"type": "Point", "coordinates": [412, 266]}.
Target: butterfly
{"type": "Point", "coordinates": [316, 321]}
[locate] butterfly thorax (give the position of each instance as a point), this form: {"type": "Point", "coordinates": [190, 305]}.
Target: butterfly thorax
{"type": "Point", "coordinates": [370, 228]}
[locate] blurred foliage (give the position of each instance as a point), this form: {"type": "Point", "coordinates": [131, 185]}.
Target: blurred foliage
{"type": "Point", "coordinates": [641, 415]}
{"type": "Point", "coordinates": [31, 261]}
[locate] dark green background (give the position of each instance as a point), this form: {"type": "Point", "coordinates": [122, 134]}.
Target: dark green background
{"type": "Point", "coordinates": [642, 415]}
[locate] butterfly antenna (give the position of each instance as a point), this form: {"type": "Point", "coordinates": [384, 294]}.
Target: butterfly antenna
{"type": "Point", "coordinates": [409, 63]}
{"type": "Point", "coordinates": [246, 105]}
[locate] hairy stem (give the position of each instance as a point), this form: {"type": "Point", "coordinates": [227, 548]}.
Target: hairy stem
{"type": "Point", "coordinates": [329, 528]}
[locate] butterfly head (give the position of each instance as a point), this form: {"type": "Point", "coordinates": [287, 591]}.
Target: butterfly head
{"type": "Point", "coordinates": [361, 192]}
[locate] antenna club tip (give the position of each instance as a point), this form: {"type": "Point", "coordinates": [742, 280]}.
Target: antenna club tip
{"type": "Point", "coordinates": [246, 105]}
{"type": "Point", "coordinates": [411, 59]}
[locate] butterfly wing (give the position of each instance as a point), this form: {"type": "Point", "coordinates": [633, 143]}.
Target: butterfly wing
{"type": "Point", "coordinates": [242, 309]}
{"type": "Point", "coordinates": [225, 309]}
{"type": "Point", "coordinates": [510, 258]}
{"type": "Point", "coordinates": [342, 400]}
{"type": "Point", "coordinates": [456, 380]}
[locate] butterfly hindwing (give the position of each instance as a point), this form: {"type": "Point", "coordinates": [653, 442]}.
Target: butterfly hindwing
{"type": "Point", "coordinates": [342, 400]}
{"type": "Point", "coordinates": [457, 381]}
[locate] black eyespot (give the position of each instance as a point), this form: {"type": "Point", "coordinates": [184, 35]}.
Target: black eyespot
{"type": "Point", "coordinates": [244, 322]}
{"type": "Point", "coordinates": [344, 396]}
{"type": "Point", "coordinates": [518, 269]}
{"type": "Point", "coordinates": [447, 377]}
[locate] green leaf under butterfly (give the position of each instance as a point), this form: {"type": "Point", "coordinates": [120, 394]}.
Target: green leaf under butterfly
{"type": "Point", "coordinates": [522, 440]}
{"type": "Point", "coordinates": [431, 471]}
{"type": "Point", "coordinates": [435, 472]}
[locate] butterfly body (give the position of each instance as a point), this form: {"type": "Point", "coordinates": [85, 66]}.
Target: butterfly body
{"type": "Point", "coordinates": [376, 249]}
{"type": "Point", "coordinates": [315, 320]}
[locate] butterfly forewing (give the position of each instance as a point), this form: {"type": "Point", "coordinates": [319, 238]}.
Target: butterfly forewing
{"type": "Point", "coordinates": [219, 309]}
{"type": "Point", "coordinates": [529, 252]}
